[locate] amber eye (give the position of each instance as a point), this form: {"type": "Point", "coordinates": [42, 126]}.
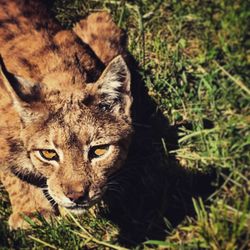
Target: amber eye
{"type": "Point", "coordinates": [98, 151]}
{"type": "Point", "coordinates": [49, 154]}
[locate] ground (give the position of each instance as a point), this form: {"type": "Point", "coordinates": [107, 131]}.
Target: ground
{"type": "Point", "coordinates": [187, 180]}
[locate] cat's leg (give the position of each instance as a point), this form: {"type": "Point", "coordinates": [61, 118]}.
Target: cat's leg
{"type": "Point", "coordinates": [103, 36]}
{"type": "Point", "coordinates": [25, 199]}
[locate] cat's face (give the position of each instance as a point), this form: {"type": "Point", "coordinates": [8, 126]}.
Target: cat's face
{"type": "Point", "coordinates": [76, 137]}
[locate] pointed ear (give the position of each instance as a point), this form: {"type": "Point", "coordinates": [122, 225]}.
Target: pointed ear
{"type": "Point", "coordinates": [23, 92]}
{"type": "Point", "coordinates": [114, 86]}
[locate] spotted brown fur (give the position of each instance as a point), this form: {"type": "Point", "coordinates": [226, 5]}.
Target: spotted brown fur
{"type": "Point", "coordinates": [56, 94]}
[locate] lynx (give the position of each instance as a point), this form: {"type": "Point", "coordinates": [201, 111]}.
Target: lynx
{"type": "Point", "coordinates": [65, 99]}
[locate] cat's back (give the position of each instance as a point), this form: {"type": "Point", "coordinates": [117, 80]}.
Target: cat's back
{"type": "Point", "coordinates": [34, 45]}
{"type": "Point", "coordinates": [24, 29]}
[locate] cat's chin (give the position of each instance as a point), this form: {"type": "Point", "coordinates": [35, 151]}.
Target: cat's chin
{"type": "Point", "coordinates": [76, 210]}
{"type": "Point", "coordinates": [82, 208]}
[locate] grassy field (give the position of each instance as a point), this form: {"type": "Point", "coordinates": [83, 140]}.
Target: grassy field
{"type": "Point", "coordinates": [186, 183]}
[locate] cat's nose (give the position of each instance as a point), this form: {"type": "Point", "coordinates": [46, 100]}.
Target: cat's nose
{"type": "Point", "coordinates": [78, 197]}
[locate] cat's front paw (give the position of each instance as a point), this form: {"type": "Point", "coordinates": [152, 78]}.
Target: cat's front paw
{"type": "Point", "coordinates": [17, 221]}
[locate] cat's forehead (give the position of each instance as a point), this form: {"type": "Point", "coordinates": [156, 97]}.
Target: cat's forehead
{"type": "Point", "coordinates": [77, 125]}
{"type": "Point", "coordinates": [71, 137]}
{"type": "Point", "coordinates": [70, 113]}
{"type": "Point", "coordinates": [76, 107]}
{"type": "Point", "coordinates": [72, 129]}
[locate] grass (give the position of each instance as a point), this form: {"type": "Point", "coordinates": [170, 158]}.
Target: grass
{"type": "Point", "coordinates": [189, 163]}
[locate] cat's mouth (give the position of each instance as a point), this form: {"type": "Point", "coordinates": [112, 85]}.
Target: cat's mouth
{"type": "Point", "coordinates": [74, 207]}
{"type": "Point", "coordinates": [84, 205]}
{"type": "Point", "coordinates": [81, 208]}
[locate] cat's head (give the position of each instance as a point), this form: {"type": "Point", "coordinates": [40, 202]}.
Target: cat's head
{"type": "Point", "coordinates": [75, 135]}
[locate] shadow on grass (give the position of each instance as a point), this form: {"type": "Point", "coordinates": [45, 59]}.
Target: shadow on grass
{"type": "Point", "coordinates": [152, 194]}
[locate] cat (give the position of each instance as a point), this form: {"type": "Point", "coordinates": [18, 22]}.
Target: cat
{"type": "Point", "coordinates": [65, 109]}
